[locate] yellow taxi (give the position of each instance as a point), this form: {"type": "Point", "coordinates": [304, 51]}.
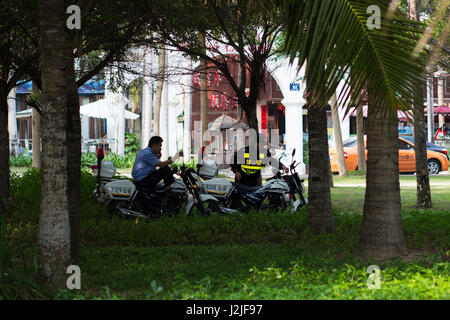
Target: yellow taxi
{"type": "Point", "coordinates": [437, 161]}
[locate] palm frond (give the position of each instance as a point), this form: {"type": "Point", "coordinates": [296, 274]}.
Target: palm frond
{"type": "Point", "coordinates": [333, 37]}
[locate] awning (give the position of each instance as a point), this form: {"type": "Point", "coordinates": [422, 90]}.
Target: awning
{"type": "Point", "coordinates": [104, 109]}
{"type": "Point", "coordinates": [24, 114]}
{"type": "Point", "coordinates": [402, 115]}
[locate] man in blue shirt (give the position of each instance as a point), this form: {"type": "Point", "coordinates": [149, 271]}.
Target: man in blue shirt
{"type": "Point", "coordinates": [144, 171]}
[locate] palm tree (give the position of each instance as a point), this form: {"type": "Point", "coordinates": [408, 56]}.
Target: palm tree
{"type": "Point", "coordinates": [336, 35]}
{"type": "Point", "coordinates": [54, 224]}
{"type": "Point", "coordinates": [338, 136]}
{"type": "Point", "coordinates": [420, 147]}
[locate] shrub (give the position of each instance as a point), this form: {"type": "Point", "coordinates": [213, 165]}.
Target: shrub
{"type": "Point", "coordinates": [20, 161]}
{"type": "Point", "coordinates": [26, 196]}
{"type": "Point", "coordinates": [132, 144]}
{"type": "Point", "coordinates": [120, 161]}
{"type": "Point", "coordinates": [16, 280]}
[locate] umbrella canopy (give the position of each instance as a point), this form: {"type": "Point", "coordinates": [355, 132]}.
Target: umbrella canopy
{"type": "Point", "coordinates": [441, 109]}
{"type": "Point", "coordinates": [104, 109]}
{"type": "Point", "coordinates": [225, 122]}
{"type": "Point", "coordinates": [402, 115]}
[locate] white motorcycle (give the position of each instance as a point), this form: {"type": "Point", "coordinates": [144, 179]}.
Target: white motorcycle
{"type": "Point", "coordinates": [124, 198]}
{"type": "Point", "coordinates": [236, 196]}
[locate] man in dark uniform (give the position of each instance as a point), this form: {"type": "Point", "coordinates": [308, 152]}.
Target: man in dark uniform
{"type": "Point", "coordinates": [249, 172]}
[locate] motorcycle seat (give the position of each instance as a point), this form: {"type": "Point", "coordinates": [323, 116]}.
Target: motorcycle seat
{"type": "Point", "coordinates": [156, 189]}
{"type": "Point", "coordinates": [240, 186]}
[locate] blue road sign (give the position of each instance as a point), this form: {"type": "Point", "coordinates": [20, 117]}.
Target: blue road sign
{"type": "Point", "coordinates": [294, 86]}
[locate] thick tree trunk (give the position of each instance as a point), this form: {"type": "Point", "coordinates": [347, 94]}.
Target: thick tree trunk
{"type": "Point", "coordinates": [73, 150]}
{"type": "Point", "coordinates": [319, 211]}
{"type": "Point", "coordinates": [4, 156]}
{"type": "Point", "coordinates": [382, 231]}
{"type": "Point", "coordinates": [53, 254]}
{"type": "Point", "coordinates": [361, 149]}
{"type": "Point", "coordinates": [338, 136]}
{"type": "Point", "coordinates": [252, 119]}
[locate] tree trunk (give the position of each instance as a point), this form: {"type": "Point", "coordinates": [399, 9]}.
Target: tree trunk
{"type": "Point", "coordinates": [319, 211]}
{"type": "Point", "coordinates": [187, 96]}
{"type": "Point", "coordinates": [73, 149]}
{"type": "Point", "coordinates": [147, 101]}
{"type": "Point", "coordinates": [12, 123]}
{"type": "Point", "coordinates": [4, 156]}
{"type": "Point", "coordinates": [53, 254]}
{"type": "Point", "coordinates": [382, 231]}
{"type": "Point", "coordinates": [420, 146]}
{"type": "Point", "coordinates": [338, 136]}
{"type": "Point", "coordinates": [159, 88]}
{"type": "Point", "coordinates": [361, 149]}
{"type": "Point", "coordinates": [36, 129]}
{"type": "Point", "coordinates": [203, 95]}
{"type": "Point", "coordinates": [440, 91]}
{"type": "Point", "coordinates": [164, 116]}
{"type": "Point", "coordinates": [252, 119]}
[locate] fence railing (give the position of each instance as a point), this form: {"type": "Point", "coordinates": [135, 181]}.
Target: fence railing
{"type": "Point", "coordinates": [25, 146]}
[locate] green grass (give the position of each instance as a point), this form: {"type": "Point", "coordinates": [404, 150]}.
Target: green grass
{"type": "Point", "coordinates": [260, 255]}
{"type": "Point", "coordinates": [403, 178]}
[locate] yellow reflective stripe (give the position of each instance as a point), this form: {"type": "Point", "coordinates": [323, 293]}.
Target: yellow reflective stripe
{"type": "Point", "coordinates": [250, 167]}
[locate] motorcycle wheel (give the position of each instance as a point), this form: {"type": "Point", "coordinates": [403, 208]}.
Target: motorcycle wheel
{"type": "Point", "coordinates": [209, 206]}
{"type": "Point", "coordinates": [112, 209]}
{"type": "Point", "coordinates": [275, 203]}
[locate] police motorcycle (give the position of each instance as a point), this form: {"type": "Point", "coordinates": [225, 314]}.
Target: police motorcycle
{"type": "Point", "coordinates": [296, 186]}
{"type": "Point", "coordinates": [198, 200]}
{"type": "Point", "coordinates": [122, 197]}
{"type": "Point", "coordinates": [234, 195]}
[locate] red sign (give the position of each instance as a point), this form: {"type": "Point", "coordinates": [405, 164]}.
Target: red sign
{"type": "Point", "coordinates": [263, 117]}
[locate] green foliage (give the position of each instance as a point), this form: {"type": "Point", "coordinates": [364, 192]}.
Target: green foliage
{"type": "Point", "coordinates": [87, 159]}
{"type": "Point", "coordinates": [132, 144]}
{"type": "Point", "coordinates": [20, 161]}
{"type": "Point", "coordinates": [259, 255]}
{"type": "Point", "coordinates": [25, 196]}
{"type": "Point", "coordinates": [305, 153]}
{"type": "Point", "coordinates": [356, 173]}
{"type": "Point", "coordinates": [190, 164]}
{"type": "Point", "coordinates": [17, 281]}
{"type": "Point", "coordinates": [120, 161]}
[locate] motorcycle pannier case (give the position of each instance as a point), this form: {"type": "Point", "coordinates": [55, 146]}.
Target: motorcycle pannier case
{"type": "Point", "coordinates": [107, 169]}
{"type": "Point", "coordinates": [209, 169]}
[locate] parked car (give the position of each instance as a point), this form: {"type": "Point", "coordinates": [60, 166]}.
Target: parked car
{"type": "Point", "coordinates": [437, 161]}
{"type": "Point", "coordinates": [430, 146]}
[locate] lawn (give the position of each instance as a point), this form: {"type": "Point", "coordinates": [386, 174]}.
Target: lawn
{"type": "Point", "coordinates": [260, 255]}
